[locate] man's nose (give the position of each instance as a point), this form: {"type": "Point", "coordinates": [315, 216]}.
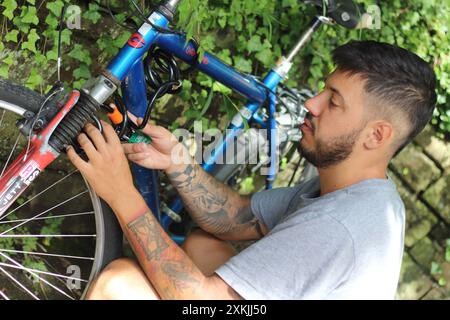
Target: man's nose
{"type": "Point", "coordinates": [316, 104]}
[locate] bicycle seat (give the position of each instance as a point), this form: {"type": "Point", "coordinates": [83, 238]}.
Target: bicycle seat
{"type": "Point", "coordinates": [344, 12]}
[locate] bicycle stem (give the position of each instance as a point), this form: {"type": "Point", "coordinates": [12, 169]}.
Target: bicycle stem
{"type": "Point", "coordinates": [172, 4]}
{"type": "Point", "coordinates": [305, 38]}
{"type": "Point", "coordinates": [285, 63]}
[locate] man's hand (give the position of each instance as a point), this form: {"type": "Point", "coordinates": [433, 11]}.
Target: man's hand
{"type": "Point", "coordinates": [164, 153]}
{"type": "Point", "coordinates": [214, 206]}
{"type": "Point", "coordinates": [107, 170]}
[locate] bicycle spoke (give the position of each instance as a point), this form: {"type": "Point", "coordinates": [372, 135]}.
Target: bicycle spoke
{"type": "Point", "coordinates": [2, 264]}
{"type": "Point", "coordinates": [43, 191]}
{"type": "Point", "coordinates": [35, 275]}
{"type": "Point", "coordinates": [40, 216]}
{"type": "Point", "coordinates": [52, 217]}
{"type": "Point", "coordinates": [1, 119]}
{"type": "Point", "coordinates": [44, 212]}
{"type": "Point", "coordinates": [4, 296]}
{"type": "Point", "coordinates": [47, 254]}
{"type": "Point", "coordinates": [19, 284]}
{"type": "Point", "coordinates": [10, 155]}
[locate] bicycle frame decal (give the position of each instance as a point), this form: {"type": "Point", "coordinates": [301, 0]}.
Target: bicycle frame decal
{"type": "Point", "coordinates": [121, 65]}
{"type": "Point", "coordinates": [136, 41]}
{"type": "Point", "coordinates": [24, 170]}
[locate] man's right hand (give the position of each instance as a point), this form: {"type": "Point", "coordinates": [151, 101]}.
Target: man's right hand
{"type": "Point", "coordinates": [164, 153]}
{"type": "Point", "coordinates": [214, 206]}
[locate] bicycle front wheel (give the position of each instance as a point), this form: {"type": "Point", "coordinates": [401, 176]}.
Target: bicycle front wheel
{"type": "Point", "coordinates": [58, 235]}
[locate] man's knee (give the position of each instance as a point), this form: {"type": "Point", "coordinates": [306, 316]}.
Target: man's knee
{"type": "Point", "coordinates": [207, 251]}
{"type": "Point", "coordinates": [195, 239]}
{"type": "Point", "coordinates": [121, 279]}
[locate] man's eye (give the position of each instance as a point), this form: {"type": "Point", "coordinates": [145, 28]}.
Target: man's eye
{"type": "Point", "coordinates": [332, 104]}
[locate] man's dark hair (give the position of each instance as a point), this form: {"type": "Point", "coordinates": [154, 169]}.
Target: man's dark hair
{"type": "Point", "coordinates": [401, 82]}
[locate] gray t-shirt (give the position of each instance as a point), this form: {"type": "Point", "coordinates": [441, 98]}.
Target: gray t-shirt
{"type": "Point", "coordinates": [347, 244]}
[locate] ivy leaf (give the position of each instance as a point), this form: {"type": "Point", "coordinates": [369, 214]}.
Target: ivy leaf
{"type": "Point", "coordinates": [23, 27]}
{"type": "Point", "coordinates": [52, 54]}
{"type": "Point", "coordinates": [218, 87]}
{"type": "Point", "coordinates": [51, 21]}
{"type": "Point", "coordinates": [9, 60]}
{"type": "Point", "coordinates": [104, 43]}
{"type": "Point", "coordinates": [265, 56]}
{"type": "Point", "coordinates": [92, 14]}
{"type": "Point", "coordinates": [81, 54]}
{"type": "Point", "coordinates": [254, 44]}
{"type": "Point", "coordinates": [82, 72]}
{"type": "Point", "coordinates": [35, 79]}
{"type": "Point", "coordinates": [242, 64]}
{"type": "Point", "coordinates": [30, 44]}
{"type": "Point", "coordinates": [12, 36]}
{"type": "Point", "coordinates": [30, 16]}
{"type": "Point", "coordinates": [10, 6]}
{"type": "Point", "coordinates": [65, 36]}
{"type": "Point", "coordinates": [55, 7]}
{"type": "Point", "coordinates": [222, 20]}
{"type": "Point", "coordinates": [4, 71]}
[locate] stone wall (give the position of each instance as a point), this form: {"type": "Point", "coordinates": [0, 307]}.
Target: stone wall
{"type": "Point", "coordinates": [422, 175]}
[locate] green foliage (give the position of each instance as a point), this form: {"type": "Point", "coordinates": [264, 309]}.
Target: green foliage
{"type": "Point", "coordinates": [256, 33]}
{"type": "Point", "coordinates": [250, 35]}
{"type": "Point", "coordinates": [29, 41]}
{"type": "Point", "coordinates": [436, 268]}
{"type": "Point", "coordinates": [28, 244]}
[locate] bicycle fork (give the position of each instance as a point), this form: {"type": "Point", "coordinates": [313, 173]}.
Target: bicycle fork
{"type": "Point", "coordinates": [33, 160]}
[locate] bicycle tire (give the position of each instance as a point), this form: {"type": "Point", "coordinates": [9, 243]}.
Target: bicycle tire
{"type": "Point", "coordinates": [108, 240]}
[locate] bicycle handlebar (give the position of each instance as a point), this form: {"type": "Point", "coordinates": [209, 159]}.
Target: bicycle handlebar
{"type": "Point", "coordinates": [346, 13]}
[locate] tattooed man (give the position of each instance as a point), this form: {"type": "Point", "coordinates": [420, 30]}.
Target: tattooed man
{"type": "Point", "coordinates": [337, 236]}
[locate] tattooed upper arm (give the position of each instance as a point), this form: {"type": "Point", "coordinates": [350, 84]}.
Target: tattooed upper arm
{"type": "Point", "coordinates": [245, 225]}
{"type": "Point", "coordinates": [215, 207]}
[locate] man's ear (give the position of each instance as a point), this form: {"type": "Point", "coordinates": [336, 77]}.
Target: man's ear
{"type": "Point", "coordinates": [378, 134]}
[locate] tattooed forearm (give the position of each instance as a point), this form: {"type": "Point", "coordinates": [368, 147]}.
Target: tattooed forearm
{"type": "Point", "coordinates": [170, 270]}
{"type": "Point", "coordinates": [180, 277]}
{"type": "Point", "coordinates": [147, 235]}
{"type": "Point", "coordinates": [177, 276]}
{"type": "Point", "coordinates": [216, 207]}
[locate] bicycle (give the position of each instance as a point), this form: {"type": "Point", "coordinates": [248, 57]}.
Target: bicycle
{"type": "Point", "coordinates": [43, 126]}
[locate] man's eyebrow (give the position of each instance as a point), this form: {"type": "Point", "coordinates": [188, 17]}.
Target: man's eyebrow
{"type": "Point", "coordinates": [335, 91]}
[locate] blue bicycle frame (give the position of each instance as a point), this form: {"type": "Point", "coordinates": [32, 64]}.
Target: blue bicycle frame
{"type": "Point", "coordinates": [127, 67]}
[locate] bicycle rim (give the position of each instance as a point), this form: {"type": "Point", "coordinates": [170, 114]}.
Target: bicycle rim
{"type": "Point", "coordinates": [52, 241]}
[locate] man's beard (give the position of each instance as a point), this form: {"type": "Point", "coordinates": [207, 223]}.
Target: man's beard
{"type": "Point", "coordinates": [329, 153]}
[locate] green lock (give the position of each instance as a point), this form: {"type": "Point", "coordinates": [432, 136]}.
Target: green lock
{"type": "Point", "coordinates": [139, 137]}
